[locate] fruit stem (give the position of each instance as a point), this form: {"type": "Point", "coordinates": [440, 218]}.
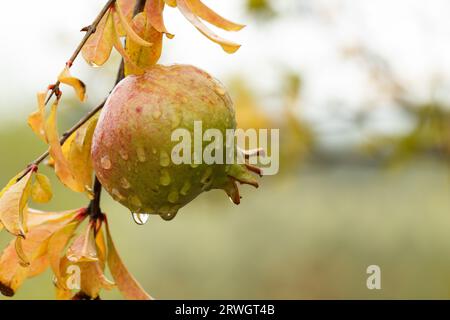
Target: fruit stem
{"type": "Point", "coordinates": [94, 206]}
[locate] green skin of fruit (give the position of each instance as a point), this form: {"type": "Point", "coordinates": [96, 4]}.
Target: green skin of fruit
{"type": "Point", "coordinates": [132, 144]}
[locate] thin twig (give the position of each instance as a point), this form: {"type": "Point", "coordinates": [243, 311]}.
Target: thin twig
{"type": "Point", "coordinates": [89, 31]}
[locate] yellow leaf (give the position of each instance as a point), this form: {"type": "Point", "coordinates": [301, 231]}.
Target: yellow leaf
{"type": "Point", "coordinates": [205, 13]}
{"type": "Point", "coordinates": [36, 120]}
{"type": "Point", "coordinates": [127, 7]}
{"type": "Point", "coordinates": [126, 283]}
{"type": "Point", "coordinates": [32, 249]}
{"type": "Point", "coordinates": [154, 10]}
{"type": "Point", "coordinates": [97, 49]}
{"type": "Point", "coordinates": [118, 44]}
{"type": "Point", "coordinates": [171, 3]}
{"type": "Point", "coordinates": [56, 246]}
{"type": "Point", "coordinates": [78, 85]}
{"type": "Point", "coordinates": [83, 249]}
{"type": "Point", "coordinates": [38, 266]}
{"type": "Point", "coordinates": [128, 29]}
{"type": "Point", "coordinates": [143, 57]}
{"type": "Point", "coordinates": [62, 166]}
{"type": "Point", "coordinates": [93, 279]}
{"type": "Point", "coordinates": [37, 218]}
{"type": "Point", "coordinates": [41, 192]}
{"type": "Point", "coordinates": [227, 46]}
{"type": "Point", "coordinates": [12, 204]}
{"type": "Point", "coordinates": [77, 152]}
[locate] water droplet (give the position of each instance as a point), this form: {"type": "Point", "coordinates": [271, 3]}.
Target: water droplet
{"type": "Point", "coordinates": [140, 218]}
{"type": "Point", "coordinates": [125, 183]}
{"type": "Point", "coordinates": [156, 114]}
{"type": "Point", "coordinates": [173, 196]}
{"type": "Point", "coordinates": [117, 195]}
{"type": "Point", "coordinates": [123, 154]}
{"type": "Point", "coordinates": [135, 201]}
{"type": "Point", "coordinates": [168, 213]}
{"type": "Point", "coordinates": [164, 159]}
{"type": "Point", "coordinates": [165, 179]}
{"type": "Point", "coordinates": [106, 163]}
{"type": "Point", "coordinates": [185, 189]}
{"type": "Point", "coordinates": [142, 157]}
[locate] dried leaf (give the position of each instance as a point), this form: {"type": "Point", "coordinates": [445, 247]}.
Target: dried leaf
{"type": "Point", "coordinates": [126, 283]}
{"type": "Point", "coordinates": [77, 152]}
{"type": "Point", "coordinates": [23, 260]}
{"type": "Point", "coordinates": [36, 120]}
{"type": "Point", "coordinates": [97, 49]}
{"type": "Point", "coordinates": [207, 14]}
{"type": "Point", "coordinates": [41, 192]}
{"type": "Point", "coordinates": [37, 218]}
{"type": "Point", "coordinates": [83, 249]}
{"type": "Point", "coordinates": [141, 57]}
{"type": "Point", "coordinates": [34, 247]}
{"type": "Point", "coordinates": [154, 10]}
{"type": "Point", "coordinates": [127, 7]}
{"type": "Point", "coordinates": [118, 44]}
{"type": "Point", "coordinates": [227, 46]}
{"type": "Point", "coordinates": [12, 204]}
{"type": "Point", "coordinates": [62, 166]}
{"type": "Point", "coordinates": [92, 277]}
{"type": "Point", "coordinates": [78, 85]}
{"type": "Point", "coordinates": [171, 3]}
{"type": "Point", "coordinates": [38, 266]}
{"type": "Point", "coordinates": [56, 246]}
{"type": "Point", "coordinates": [128, 29]}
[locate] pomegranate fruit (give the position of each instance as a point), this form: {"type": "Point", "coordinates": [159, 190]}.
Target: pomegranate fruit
{"type": "Point", "coordinates": [132, 143]}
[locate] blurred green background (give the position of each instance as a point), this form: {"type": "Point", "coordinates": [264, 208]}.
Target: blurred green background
{"type": "Point", "coordinates": [339, 203]}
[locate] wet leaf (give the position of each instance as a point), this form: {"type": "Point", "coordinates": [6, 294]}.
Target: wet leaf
{"type": "Point", "coordinates": [97, 49]}
{"type": "Point", "coordinates": [41, 192]}
{"type": "Point", "coordinates": [62, 166]}
{"type": "Point", "coordinates": [78, 85]}
{"type": "Point", "coordinates": [154, 10]}
{"type": "Point", "coordinates": [227, 46]}
{"type": "Point", "coordinates": [141, 57]}
{"type": "Point", "coordinates": [12, 205]}
{"type": "Point", "coordinates": [36, 120]}
{"type": "Point", "coordinates": [131, 34]}
{"type": "Point", "coordinates": [126, 283]}
{"type": "Point", "coordinates": [205, 13]}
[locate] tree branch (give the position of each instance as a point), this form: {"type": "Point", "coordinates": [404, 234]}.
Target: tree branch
{"type": "Point", "coordinates": [89, 31]}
